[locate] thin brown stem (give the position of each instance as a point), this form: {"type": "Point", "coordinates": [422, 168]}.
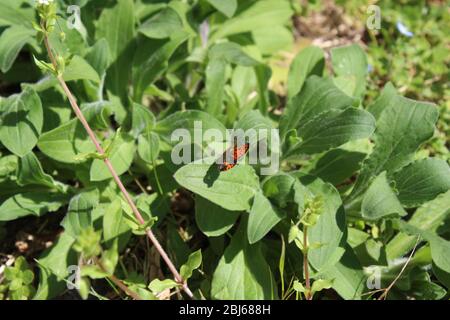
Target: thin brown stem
{"type": "Point", "coordinates": [306, 264]}
{"type": "Point", "coordinates": [386, 291]}
{"type": "Point", "coordinates": [113, 172]}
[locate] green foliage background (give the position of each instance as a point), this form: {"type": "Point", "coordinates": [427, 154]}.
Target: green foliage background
{"type": "Point", "coordinates": [364, 135]}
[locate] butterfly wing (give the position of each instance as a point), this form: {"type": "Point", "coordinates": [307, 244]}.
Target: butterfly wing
{"type": "Point", "coordinates": [238, 152]}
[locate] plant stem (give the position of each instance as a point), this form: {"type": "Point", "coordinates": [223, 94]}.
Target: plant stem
{"type": "Point", "coordinates": [113, 172]}
{"type": "Point", "coordinates": [306, 264]}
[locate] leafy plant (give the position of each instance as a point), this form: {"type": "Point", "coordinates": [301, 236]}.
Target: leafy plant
{"type": "Point", "coordinates": [353, 193]}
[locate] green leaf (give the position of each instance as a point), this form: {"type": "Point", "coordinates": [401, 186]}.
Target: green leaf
{"type": "Point", "coordinates": [263, 217]}
{"type": "Point", "coordinates": [348, 277]}
{"type": "Point", "coordinates": [114, 225]}
{"type": "Point", "coordinates": [194, 262]}
{"type": "Point", "coordinates": [148, 146]}
{"type": "Point", "coordinates": [31, 203]}
{"type": "Point", "coordinates": [422, 181]}
{"type": "Point", "coordinates": [316, 96]}
{"type": "Point", "coordinates": [79, 216]}
{"type": "Point", "coordinates": [384, 99]}
{"type": "Point", "coordinates": [13, 13]}
{"type": "Point", "coordinates": [186, 120]}
{"type": "Point", "coordinates": [351, 61]}
{"type": "Point", "coordinates": [97, 113]}
{"type": "Point", "coordinates": [155, 64]}
{"type": "Point", "coordinates": [231, 189]}
{"type": "Point", "coordinates": [329, 229]}
{"type": "Point", "coordinates": [309, 61]}
{"type": "Point", "coordinates": [99, 57]}
{"type": "Point", "coordinates": [57, 258]}
{"type": "Point", "coordinates": [242, 272]}
{"type": "Point", "coordinates": [338, 165]}
{"type": "Point", "coordinates": [162, 25]}
{"type": "Point", "coordinates": [158, 286]}
{"type": "Point", "coordinates": [334, 128]}
{"type": "Point", "coordinates": [255, 17]}
{"type": "Point", "coordinates": [121, 156]}
{"type": "Point", "coordinates": [215, 83]}
{"type": "Point", "coordinates": [272, 39]}
{"type": "Point", "coordinates": [80, 69]}
{"type": "Point", "coordinates": [116, 25]}
{"type": "Point", "coordinates": [65, 142]}
{"type": "Point", "coordinates": [12, 40]}
{"type": "Point", "coordinates": [228, 8]}
{"type": "Point", "coordinates": [30, 172]}
{"type": "Point", "coordinates": [401, 128]}
{"type": "Point", "coordinates": [380, 200]}
{"type": "Point", "coordinates": [279, 188]}
{"type": "Point", "coordinates": [21, 121]}
{"type": "Point", "coordinates": [428, 217]}
{"type": "Point", "coordinates": [213, 220]}
{"type": "Point", "coordinates": [142, 119]}
{"type": "Point", "coordinates": [320, 284]}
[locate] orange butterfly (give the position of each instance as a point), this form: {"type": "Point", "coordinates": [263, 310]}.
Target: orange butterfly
{"type": "Point", "coordinates": [238, 152]}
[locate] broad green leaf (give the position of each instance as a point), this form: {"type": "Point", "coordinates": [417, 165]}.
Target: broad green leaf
{"type": "Point", "coordinates": [30, 172]}
{"type": "Point", "coordinates": [263, 76]}
{"type": "Point", "coordinates": [421, 181]}
{"type": "Point", "coordinates": [351, 61]}
{"type": "Point", "coordinates": [228, 7]}
{"type": "Point", "coordinates": [309, 61]}
{"type": "Point", "coordinates": [57, 258]}
{"type": "Point", "coordinates": [79, 216]}
{"type": "Point", "coordinates": [332, 129]}
{"type": "Point", "coordinates": [242, 272]}
{"type": "Point", "coordinates": [219, 55]}
{"type": "Point", "coordinates": [280, 189]}
{"type": "Point", "coordinates": [21, 120]}
{"type": "Point", "coordinates": [121, 156]}
{"type": "Point", "coordinates": [401, 128]}
{"type": "Point", "coordinates": [148, 146]}
{"type": "Point", "coordinates": [329, 229]}
{"type": "Point", "coordinates": [439, 246]}
{"type": "Point", "coordinates": [158, 286]}
{"type": "Point", "coordinates": [12, 41]}
{"type": "Point", "coordinates": [384, 99]}
{"type": "Point", "coordinates": [231, 189]}
{"type": "Point", "coordinates": [262, 218]}
{"type": "Point", "coordinates": [97, 114]}
{"type": "Point", "coordinates": [255, 17]}
{"type": "Point", "coordinates": [13, 13]}
{"type": "Point", "coordinates": [65, 142]}
{"type": "Point", "coordinates": [254, 120]}
{"type": "Point", "coordinates": [116, 25]}
{"type": "Point", "coordinates": [155, 64]}
{"type": "Point", "coordinates": [348, 277]}
{"type": "Point", "coordinates": [31, 203]}
{"type": "Point", "coordinates": [80, 69]}
{"type": "Point", "coordinates": [428, 217]}
{"type": "Point", "coordinates": [337, 165]}
{"type": "Point", "coordinates": [162, 25]}
{"type": "Point", "coordinates": [99, 56]}
{"type": "Point", "coordinates": [316, 96]}
{"type": "Point", "coordinates": [194, 261]}
{"type": "Point", "coordinates": [272, 39]}
{"type": "Point", "coordinates": [114, 225]}
{"type": "Point", "coordinates": [213, 220]}
{"type": "Point", "coordinates": [232, 53]}
{"type": "Point", "coordinates": [187, 120]}
{"type": "Point", "coordinates": [380, 200]}
{"type": "Point", "coordinates": [142, 119]}
{"type": "Point", "coordinates": [215, 83]}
